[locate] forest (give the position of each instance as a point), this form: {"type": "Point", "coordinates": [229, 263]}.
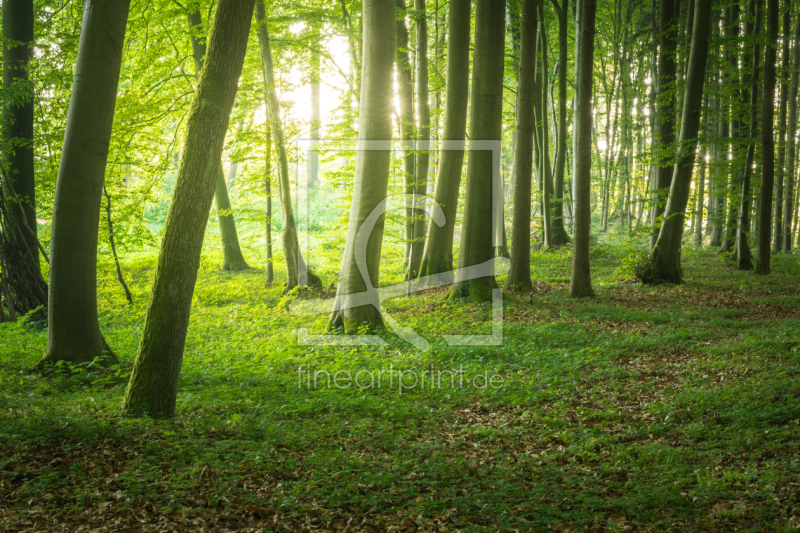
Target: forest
{"type": "Point", "coordinates": [400, 266]}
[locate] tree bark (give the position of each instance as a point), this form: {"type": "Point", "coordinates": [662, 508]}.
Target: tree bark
{"type": "Point", "coordinates": [437, 257]}
{"type": "Point", "coordinates": [486, 120]}
{"type": "Point", "coordinates": [297, 272]}
{"type": "Point", "coordinates": [666, 255]}
{"type": "Point", "coordinates": [153, 386]}
{"type": "Point", "coordinates": [73, 333]}
{"type": "Point", "coordinates": [581, 278]}
{"type": "Point", "coordinates": [232, 258]}
{"type": "Point", "coordinates": [424, 115]}
{"type": "Point", "coordinates": [788, 205]}
{"type": "Point", "coordinates": [767, 141]}
{"type": "Point", "coordinates": [667, 72]}
{"type": "Point", "coordinates": [372, 167]}
{"type": "Point", "coordinates": [18, 120]}
{"type": "Point", "coordinates": [519, 274]}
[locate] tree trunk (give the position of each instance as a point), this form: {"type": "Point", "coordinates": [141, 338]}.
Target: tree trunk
{"type": "Point", "coordinates": [486, 121]}
{"type": "Point", "coordinates": [666, 255]}
{"type": "Point", "coordinates": [744, 260]}
{"type": "Point", "coordinates": [405, 90]}
{"type": "Point", "coordinates": [788, 206]}
{"type": "Point", "coordinates": [701, 181]}
{"type": "Point", "coordinates": [767, 141]}
{"type": "Point", "coordinates": [297, 272]}
{"type": "Point", "coordinates": [732, 79]}
{"type": "Point", "coordinates": [18, 121]}
{"type": "Point", "coordinates": [269, 270]}
{"type": "Point", "coordinates": [581, 278]}
{"type": "Point", "coordinates": [438, 255]}
{"type": "Point", "coordinates": [372, 171]}
{"type": "Point", "coordinates": [560, 236]}
{"type": "Point", "coordinates": [424, 114]}
{"type": "Point", "coordinates": [232, 258]}
{"type": "Point", "coordinates": [73, 333]}
{"type": "Point", "coordinates": [781, 168]}
{"type": "Point", "coordinates": [519, 274]}
{"type": "Point", "coordinates": [153, 386]}
{"type": "Point", "coordinates": [543, 170]}
{"type": "Point", "coordinates": [316, 122]}
{"type": "Point", "coordinates": [667, 71]}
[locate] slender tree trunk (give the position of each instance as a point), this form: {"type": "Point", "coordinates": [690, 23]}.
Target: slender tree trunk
{"type": "Point", "coordinates": [666, 254]}
{"type": "Point", "coordinates": [372, 171]}
{"type": "Point", "coordinates": [781, 166]}
{"type": "Point", "coordinates": [269, 270]}
{"type": "Point", "coordinates": [297, 272]}
{"type": "Point", "coordinates": [744, 259]}
{"type": "Point", "coordinates": [767, 141]}
{"type": "Point", "coordinates": [701, 181]}
{"type": "Point", "coordinates": [405, 90]}
{"type": "Point", "coordinates": [486, 120]}
{"type": "Point", "coordinates": [788, 206]}
{"type": "Point", "coordinates": [153, 386]}
{"type": "Point", "coordinates": [544, 171]}
{"type": "Point", "coordinates": [232, 258]}
{"type": "Point", "coordinates": [581, 279]}
{"type": "Point", "coordinates": [438, 255]}
{"type": "Point", "coordinates": [560, 236]}
{"type": "Point", "coordinates": [519, 274]}
{"type": "Point", "coordinates": [737, 105]}
{"type": "Point", "coordinates": [355, 59]}
{"type": "Point", "coordinates": [424, 115]}
{"type": "Point", "coordinates": [18, 120]}
{"type": "Point", "coordinates": [667, 72]}
{"type": "Point", "coordinates": [73, 333]}
{"type": "Point", "coordinates": [316, 122]}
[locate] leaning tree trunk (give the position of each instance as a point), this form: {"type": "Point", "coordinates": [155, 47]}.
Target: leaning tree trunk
{"type": "Point", "coordinates": [788, 205]}
{"type": "Point", "coordinates": [424, 115]}
{"type": "Point", "coordinates": [744, 260]}
{"type": "Point", "coordinates": [581, 278]}
{"type": "Point", "coordinates": [519, 274]}
{"type": "Point", "coordinates": [232, 258]}
{"type": "Point", "coordinates": [73, 333]}
{"type": "Point", "coordinates": [372, 170]}
{"type": "Point", "coordinates": [438, 255]}
{"type": "Point", "coordinates": [665, 259]}
{"type": "Point", "coordinates": [667, 89]}
{"type": "Point", "coordinates": [153, 386]}
{"type": "Point", "coordinates": [405, 90]}
{"type": "Point", "coordinates": [485, 123]}
{"type": "Point", "coordinates": [297, 272]}
{"type": "Point", "coordinates": [767, 141]}
{"type": "Point", "coordinates": [18, 122]}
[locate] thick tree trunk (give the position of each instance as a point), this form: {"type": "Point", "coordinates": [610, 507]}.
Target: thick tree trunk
{"type": "Point", "coordinates": [424, 115]}
{"type": "Point", "coordinates": [767, 141]}
{"type": "Point", "coordinates": [232, 258]}
{"type": "Point", "coordinates": [744, 260]}
{"type": "Point", "coordinates": [667, 72]}
{"type": "Point", "coordinates": [666, 255]}
{"type": "Point", "coordinates": [486, 120]}
{"type": "Point", "coordinates": [519, 274]}
{"type": "Point", "coordinates": [788, 205]}
{"type": "Point", "coordinates": [73, 333]}
{"type": "Point", "coordinates": [18, 121]}
{"type": "Point", "coordinates": [438, 255]}
{"type": "Point", "coordinates": [372, 170]}
{"type": "Point", "coordinates": [153, 386]}
{"type": "Point", "coordinates": [297, 272]}
{"type": "Point", "coordinates": [581, 279]}
{"type": "Point", "coordinates": [405, 90]}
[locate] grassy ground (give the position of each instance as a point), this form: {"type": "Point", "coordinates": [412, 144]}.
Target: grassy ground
{"type": "Point", "coordinates": [643, 409]}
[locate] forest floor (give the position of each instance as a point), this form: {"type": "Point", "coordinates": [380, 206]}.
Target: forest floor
{"type": "Point", "coordinates": [643, 409]}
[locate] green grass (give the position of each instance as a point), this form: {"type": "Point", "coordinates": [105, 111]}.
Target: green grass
{"type": "Point", "coordinates": [647, 408]}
